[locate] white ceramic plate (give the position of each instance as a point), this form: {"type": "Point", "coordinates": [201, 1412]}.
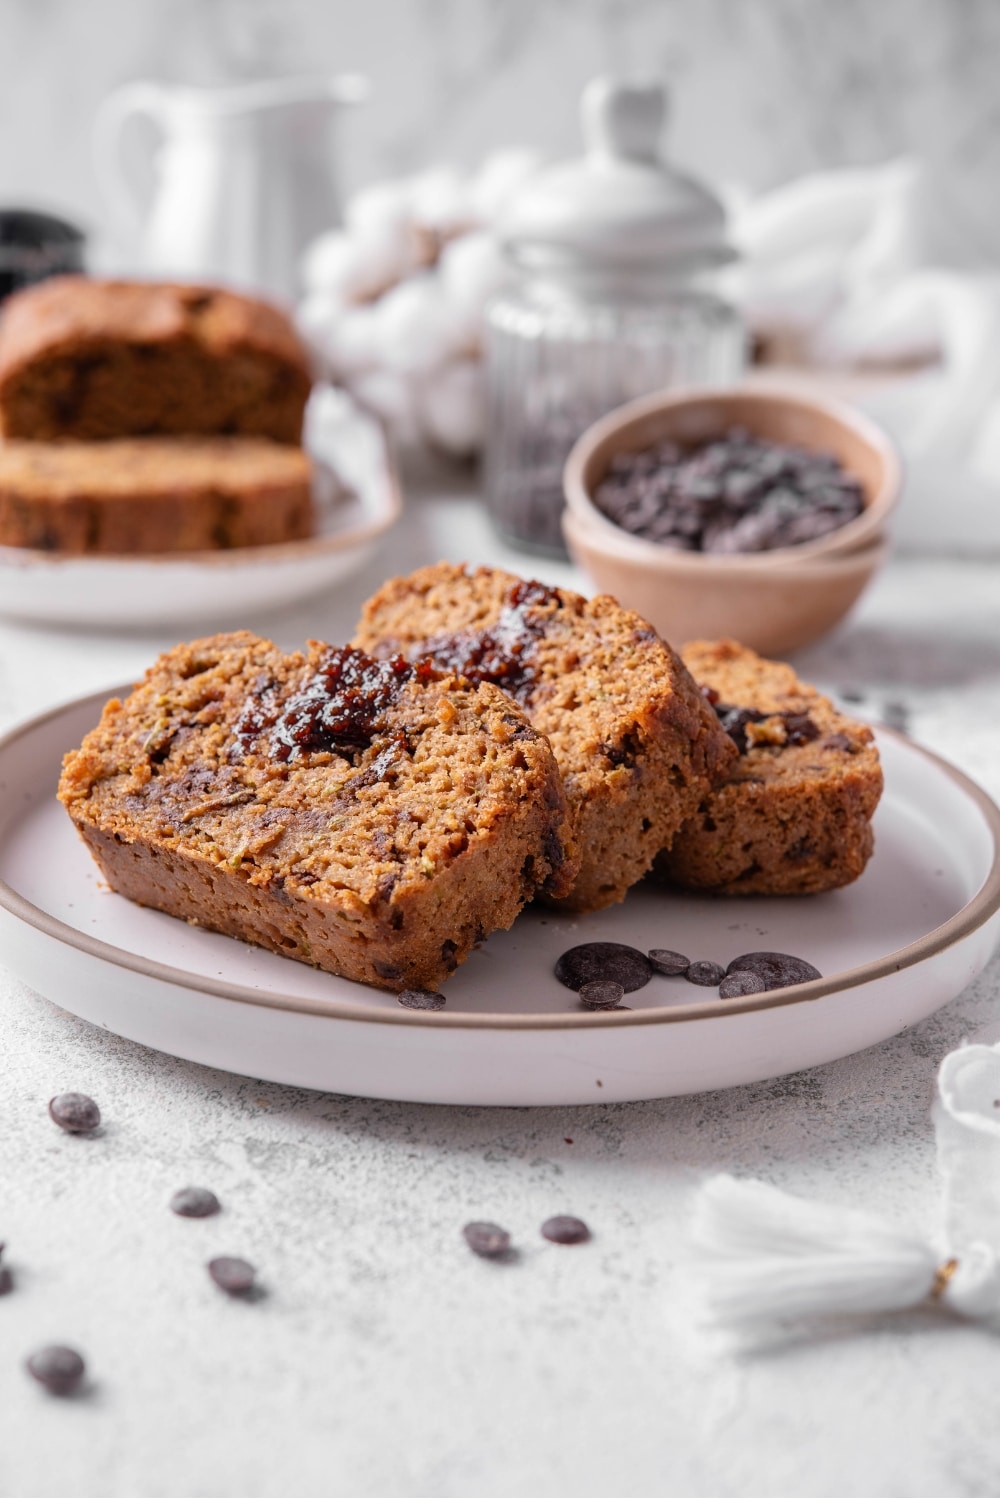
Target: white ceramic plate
{"type": "Point", "coordinates": [146, 589]}
{"type": "Point", "coordinates": [911, 933]}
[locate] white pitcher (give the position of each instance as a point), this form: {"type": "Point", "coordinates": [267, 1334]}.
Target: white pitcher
{"type": "Point", "coordinates": [244, 176]}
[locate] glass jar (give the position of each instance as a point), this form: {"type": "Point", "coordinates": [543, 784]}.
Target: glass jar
{"type": "Point", "coordinates": [614, 293]}
{"type": "Point", "coordinates": [556, 361]}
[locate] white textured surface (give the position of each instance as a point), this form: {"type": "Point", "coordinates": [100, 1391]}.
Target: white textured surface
{"type": "Point", "coordinates": [764, 90]}
{"type": "Point", "coordinates": [386, 1359]}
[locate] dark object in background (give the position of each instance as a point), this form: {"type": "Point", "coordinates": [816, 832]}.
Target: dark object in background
{"type": "Point", "coordinates": [34, 246]}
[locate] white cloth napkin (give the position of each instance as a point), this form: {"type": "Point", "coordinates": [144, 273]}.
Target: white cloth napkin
{"type": "Point", "coordinates": [863, 269]}
{"type": "Point", "coordinates": [967, 1124]}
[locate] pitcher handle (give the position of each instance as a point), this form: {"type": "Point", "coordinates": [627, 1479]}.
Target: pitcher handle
{"type": "Point", "coordinates": [127, 102]}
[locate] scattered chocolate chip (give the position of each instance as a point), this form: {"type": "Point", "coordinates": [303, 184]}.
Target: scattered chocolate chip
{"type": "Point", "coordinates": [563, 1229]}
{"type": "Point", "coordinates": [421, 999]}
{"type": "Point", "coordinates": [742, 982]}
{"type": "Point", "coordinates": [75, 1113]}
{"type": "Point", "coordinates": [56, 1367]}
{"type": "Point", "coordinates": [487, 1240]}
{"type": "Point", "coordinates": [666, 961]}
{"type": "Point", "coordinates": [601, 994]}
{"type": "Point", "coordinates": [704, 971]}
{"type": "Point", "coordinates": [775, 970]}
{"type": "Point", "coordinates": [601, 961]}
{"type": "Point", "coordinates": [195, 1203]}
{"type": "Point", "coordinates": [232, 1274]}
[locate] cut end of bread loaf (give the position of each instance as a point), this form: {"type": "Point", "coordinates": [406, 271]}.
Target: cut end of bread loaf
{"type": "Point", "coordinates": [86, 358]}
{"type": "Point", "coordinates": [794, 816]}
{"type": "Point", "coordinates": [365, 817]}
{"type": "Point", "coordinates": [161, 495]}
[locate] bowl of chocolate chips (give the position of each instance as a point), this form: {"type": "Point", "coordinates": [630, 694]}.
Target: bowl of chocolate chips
{"type": "Point", "coordinates": [757, 514]}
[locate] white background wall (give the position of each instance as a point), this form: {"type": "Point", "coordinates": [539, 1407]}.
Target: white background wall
{"type": "Point", "coordinates": [764, 89]}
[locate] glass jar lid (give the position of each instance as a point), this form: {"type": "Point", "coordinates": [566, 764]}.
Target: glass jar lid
{"type": "Point", "coordinates": [620, 210]}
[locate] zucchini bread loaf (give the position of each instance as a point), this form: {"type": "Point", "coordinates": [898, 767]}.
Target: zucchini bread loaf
{"type": "Point", "coordinates": [153, 494]}
{"type": "Point", "coordinates": [371, 818]}
{"type": "Point", "coordinates": [638, 747]}
{"type": "Point", "coordinates": [794, 817]}
{"type": "Point", "coordinates": [86, 358]}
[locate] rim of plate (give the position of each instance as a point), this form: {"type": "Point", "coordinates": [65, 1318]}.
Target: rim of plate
{"type": "Point", "coordinates": [366, 530]}
{"type": "Point", "coordinates": [966, 920]}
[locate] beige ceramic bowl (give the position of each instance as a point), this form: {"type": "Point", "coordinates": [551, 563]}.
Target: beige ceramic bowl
{"type": "Point", "coordinates": [773, 601]}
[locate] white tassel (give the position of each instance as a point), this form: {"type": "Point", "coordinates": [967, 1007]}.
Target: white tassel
{"type": "Point", "coordinates": [768, 1256]}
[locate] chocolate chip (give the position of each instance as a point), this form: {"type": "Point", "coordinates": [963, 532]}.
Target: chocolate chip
{"type": "Point", "coordinates": [58, 1368]}
{"type": "Point", "coordinates": [195, 1203]}
{"type": "Point", "coordinates": [800, 729]}
{"type": "Point", "coordinates": [601, 961]}
{"type": "Point", "coordinates": [563, 1229]}
{"type": "Point", "coordinates": [601, 994]}
{"type": "Point", "coordinates": [735, 493]}
{"type": "Point", "coordinates": [704, 971]}
{"type": "Point", "coordinates": [486, 1239]}
{"type": "Point", "coordinates": [776, 970]}
{"type": "Point", "coordinates": [75, 1113]}
{"type": "Point", "coordinates": [666, 961]}
{"type": "Point", "coordinates": [421, 999]}
{"type": "Point", "coordinates": [742, 982]}
{"type": "Point", "coordinates": [6, 1279]}
{"type": "Point", "coordinates": [232, 1274]}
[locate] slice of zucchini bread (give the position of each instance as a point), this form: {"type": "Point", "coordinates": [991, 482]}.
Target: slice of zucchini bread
{"type": "Point", "coordinates": [637, 745]}
{"type": "Point", "coordinates": [795, 815]}
{"type": "Point", "coordinates": [371, 818]}
{"type": "Point", "coordinates": [157, 495]}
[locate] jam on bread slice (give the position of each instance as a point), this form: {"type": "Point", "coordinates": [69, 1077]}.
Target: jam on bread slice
{"type": "Point", "coordinates": [372, 818]}
{"type": "Point", "coordinates": [637, 745]}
